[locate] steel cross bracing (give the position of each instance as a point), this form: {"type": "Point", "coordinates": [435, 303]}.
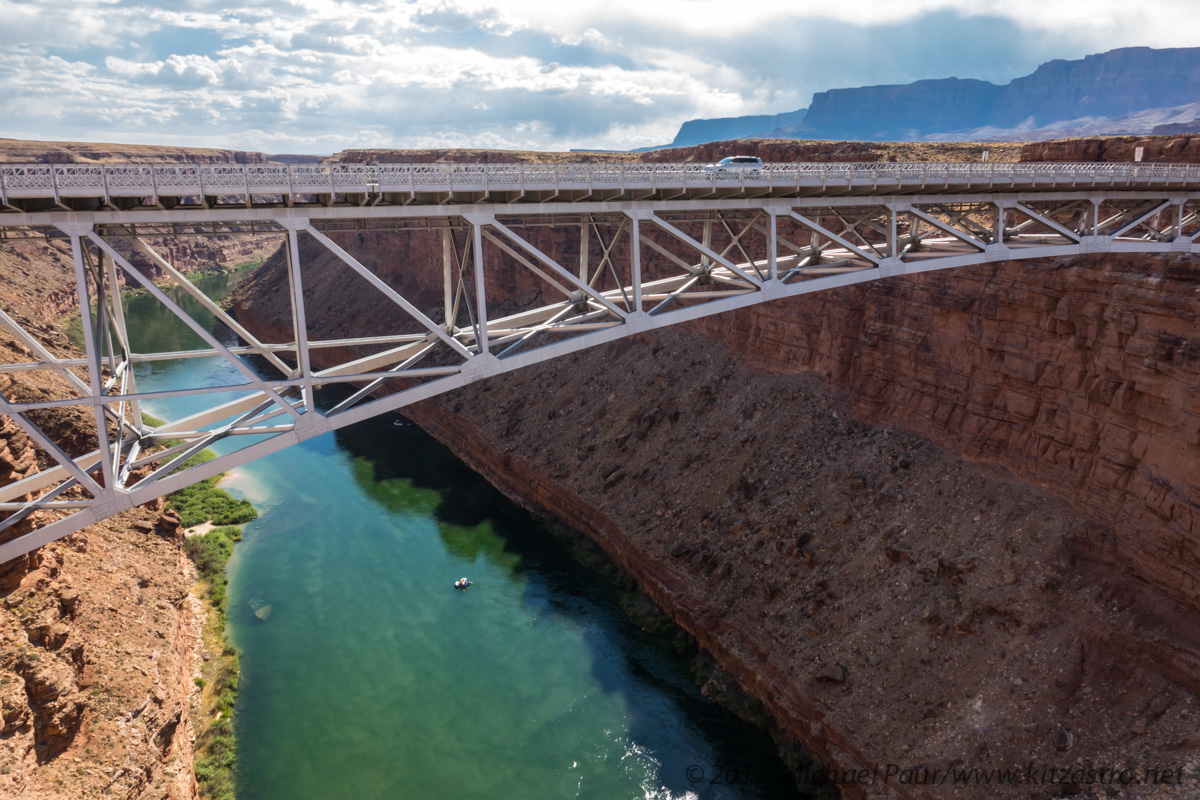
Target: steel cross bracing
{"type": "Point", "coordinates": [608, 261]}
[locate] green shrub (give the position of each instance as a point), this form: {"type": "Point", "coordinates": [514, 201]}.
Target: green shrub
{"type": "Point", "coordinates": [204, 502]}
{"type": "Point", "coordinates": [210, 553]}
{"type": "Point", "coordinates": [216, 751]}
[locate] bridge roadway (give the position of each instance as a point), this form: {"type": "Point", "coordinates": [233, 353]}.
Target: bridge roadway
{"type": "Point", "coordinates": [648, 245]}
{"type": "Point", "coordinates": [97, 187]}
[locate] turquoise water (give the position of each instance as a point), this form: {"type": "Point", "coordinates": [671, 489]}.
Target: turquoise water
{"type": "Point", "coordinates": [365, 674]}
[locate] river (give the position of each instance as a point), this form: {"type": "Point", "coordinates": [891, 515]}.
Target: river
{"type": "Point", "coordinates": [370, 676]}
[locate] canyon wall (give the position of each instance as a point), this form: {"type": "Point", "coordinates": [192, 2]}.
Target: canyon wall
{"type": "Point", "coordinates": [901, 112]}
{"type": "Point", "coordinates": [771, 150]}
{"type": "Point", "coordinates": [1079, 376]}
{"type": "Point", "coordinates": [1180, 149]}
{"type": "Point", "coordinates": [20, 151]}
{"type": "Point", "coordinates": [699, 131]}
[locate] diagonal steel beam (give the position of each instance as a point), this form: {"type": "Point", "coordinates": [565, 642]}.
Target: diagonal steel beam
{"type": "Point", "coordinates": [199, 329]}
{"type": "Point", "coordinates": [197, 445]}
{"type": "Point", "coordinates": [1157, 209]}
{"type": "Point", "coordinates": [737, 240]}
{"type": "Point", "coordinates": [828, 234]}
{"type": "Point", "coordinates": [970, 225]}
{"type": "Point", "coordinates": [606, 255]}
{"type": "Point", "coordinates": [606, 258]}
{"type": "Point", "coordinates": [256, 346]}
{"type": "Point", "coordinates": [375, 384]}
{"type": "Point", "coordinates": [691, 269]}
{"type": "Point", "coordinates": [52, 450]}
{"type": "Point", "coordinates": [554, 265]}
{"type": "Point", "coordinates": [523, 261]}
{"type": "Point", "coordinates": [683, 237]}
{"type": "Point", "coordinates": [52, 361]}
{"type": "Point", "coordinates": [1049, 223]}
{"type": "Point", "coordinates": [950, 229]}
{"type": "Point", "coordinates": [390, 293]}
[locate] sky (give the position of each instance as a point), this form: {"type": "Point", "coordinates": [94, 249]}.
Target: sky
{"type": "Point", "coordinates": [320, 76]}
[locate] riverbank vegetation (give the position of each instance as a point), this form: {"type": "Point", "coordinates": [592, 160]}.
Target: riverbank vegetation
{"type": "Point", "coordinates": [216, 744]}
{"type": "Point", "coordinates": [204, 501]}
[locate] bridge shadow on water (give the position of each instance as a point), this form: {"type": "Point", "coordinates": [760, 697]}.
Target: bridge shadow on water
{"type": "Point", "coordinates": [667, 714]}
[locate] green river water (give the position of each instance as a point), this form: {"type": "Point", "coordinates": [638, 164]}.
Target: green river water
{"type": "Point", "coordinates": [372, 677]}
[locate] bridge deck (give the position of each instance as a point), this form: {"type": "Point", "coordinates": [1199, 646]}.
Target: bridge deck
{"type": "Point", "coordinates": [96, 187]}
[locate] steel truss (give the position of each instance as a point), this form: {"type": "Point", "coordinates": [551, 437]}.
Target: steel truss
{"type": "Point", "coordinates": [633, 266]}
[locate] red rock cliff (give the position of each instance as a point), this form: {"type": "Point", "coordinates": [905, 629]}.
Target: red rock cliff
{"type": "Point", "coordinates": [1079, 376]}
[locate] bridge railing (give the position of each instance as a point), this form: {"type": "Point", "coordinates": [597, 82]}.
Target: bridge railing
{"type": "Point", "coordinates": [151, 180]}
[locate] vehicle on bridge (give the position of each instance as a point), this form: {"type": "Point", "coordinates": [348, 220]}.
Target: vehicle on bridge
{"type": "Point", "coordinates": [736, 164]}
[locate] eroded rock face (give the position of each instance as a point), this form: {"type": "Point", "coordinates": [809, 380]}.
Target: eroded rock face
{"type": "Point", "coordinates": [96, 685]}
{"type": "Point", "coordinates": [1182, 149]}
{"type": "Point", "coordinates": [1080, 376]}
{"type": "Point", "coordinates": [18, 459]}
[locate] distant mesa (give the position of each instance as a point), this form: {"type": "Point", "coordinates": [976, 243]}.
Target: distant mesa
{"type": "Point", "coordinates": [1131, 91]}
{"type": "Point", "coordinates": [702, 131]}
{"type": "Point", "coordinates": [1175, 128]}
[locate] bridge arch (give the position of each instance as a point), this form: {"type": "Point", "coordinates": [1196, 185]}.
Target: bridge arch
{"type": "Point", "coordinates": [610, 252]}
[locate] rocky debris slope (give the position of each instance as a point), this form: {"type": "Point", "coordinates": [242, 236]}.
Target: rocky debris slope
{"type": "Point", "coordinates": [1077, 375]}
{"type": "Point", "coordinates": [98, 648]}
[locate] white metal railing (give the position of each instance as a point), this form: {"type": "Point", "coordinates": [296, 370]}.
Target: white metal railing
{"type": "Point", "coordinates": [54, 181]}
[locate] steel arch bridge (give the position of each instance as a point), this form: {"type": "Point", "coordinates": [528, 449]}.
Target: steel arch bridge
{"type": "Point", "coordinates": [649, 245]}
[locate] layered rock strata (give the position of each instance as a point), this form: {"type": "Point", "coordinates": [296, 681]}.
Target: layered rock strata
{"type": "Point", "coordinates": [1181, 149]}
{"type": "Point", "coordinates": [1079, 376]}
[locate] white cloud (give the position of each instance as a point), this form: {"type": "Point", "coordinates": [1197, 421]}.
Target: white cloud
{"type": "Point", "coordinates": [320, 75]}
